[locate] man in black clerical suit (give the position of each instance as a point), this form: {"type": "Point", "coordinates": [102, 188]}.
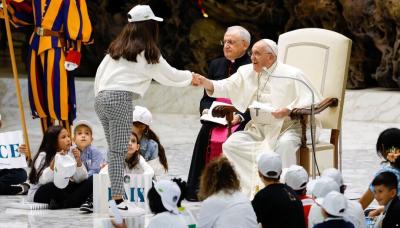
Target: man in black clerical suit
{"type": "Point", "coordinates": [236, 42]}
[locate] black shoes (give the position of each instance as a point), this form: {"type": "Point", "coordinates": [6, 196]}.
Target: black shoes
{"type": "Point", "coordinates": [88, 205]}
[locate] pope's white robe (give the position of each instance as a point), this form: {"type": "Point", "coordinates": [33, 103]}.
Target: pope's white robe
{"type": "Point", "coordinates": [264, 132]}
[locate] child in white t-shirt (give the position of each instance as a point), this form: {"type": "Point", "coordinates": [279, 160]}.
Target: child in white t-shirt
{"type": "Point", "coordinates": [134, 162]}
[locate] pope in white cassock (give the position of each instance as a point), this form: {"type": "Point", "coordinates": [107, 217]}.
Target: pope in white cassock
{"type": "Point", "coordinates": [270, 100]}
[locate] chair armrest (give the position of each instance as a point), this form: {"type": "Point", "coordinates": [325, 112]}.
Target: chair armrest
{"type": "Point", "coordinates": [302, 115]}
{"type": "Point", "coordinates": [225, 111]}
{"type": "Point", "coordinates": [297, 113]}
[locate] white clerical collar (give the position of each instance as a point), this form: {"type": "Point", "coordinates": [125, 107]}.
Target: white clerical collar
{"type": "Point", "coordinates": [271, 68]}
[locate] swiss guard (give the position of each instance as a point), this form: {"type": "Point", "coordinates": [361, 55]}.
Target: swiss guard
{"type": "Point", "coordinates": [60, 29]}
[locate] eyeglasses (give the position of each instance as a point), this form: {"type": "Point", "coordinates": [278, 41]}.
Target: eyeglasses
{"type": "Point", "coordinates": [228, 42]}
{"type": "Point", "coordinates": [257, 54]}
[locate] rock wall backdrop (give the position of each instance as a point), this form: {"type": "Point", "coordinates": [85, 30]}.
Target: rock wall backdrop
{"type": "Point", "coordinates": [189, 39]}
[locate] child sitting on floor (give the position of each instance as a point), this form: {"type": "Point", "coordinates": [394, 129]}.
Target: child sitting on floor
{"type": "Point", "coordinates": [46, 187]}
{"type": "Point", "coordinates": [150, 146]}
{"type": "Point", "coordinates": [91, 157]}
{"type": "Point", "coordinates": [385, 186]}
{"type": "Point", "coordinates": [134, 161]}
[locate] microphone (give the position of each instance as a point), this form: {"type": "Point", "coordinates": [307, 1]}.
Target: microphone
{"type": "Point", "coordinates": [312, 120]}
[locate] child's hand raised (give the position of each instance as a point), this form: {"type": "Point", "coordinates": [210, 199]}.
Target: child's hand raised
{"type": "Point", "coordinates": [77, 156]}
{"type": "Point", "coordinates": [23, 149]}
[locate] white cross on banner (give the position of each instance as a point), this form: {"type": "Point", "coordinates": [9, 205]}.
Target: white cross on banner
{"type": "Point", "coordinates": [9, 156]}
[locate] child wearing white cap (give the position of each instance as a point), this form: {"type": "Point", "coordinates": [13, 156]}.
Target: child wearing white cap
{"type": "Point", "coordinates": [276, 205]}
{"type": "Point", "coordinates": [133, 60]}
{"type": "Point", "coordinates": [334, 206]}
{"type": "Point", "coordinates": [150, 146]}
{"type": "Point", "coordinates": [296, 177]}
{"type": "Point", "coordinates": [319, 188]}
{"type": "Point", "coordinates": [354, 212]}
{"type": "Point", "coordinates": [163, 198]}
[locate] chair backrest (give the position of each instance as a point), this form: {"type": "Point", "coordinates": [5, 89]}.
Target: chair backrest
{"type": "Point", "coordinates": [323, 56]}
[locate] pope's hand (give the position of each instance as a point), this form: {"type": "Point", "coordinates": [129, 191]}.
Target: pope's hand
{"type": "Point", "coordinates": [281, 113]}
{"type": "Point", "coordinates": [236, 119]}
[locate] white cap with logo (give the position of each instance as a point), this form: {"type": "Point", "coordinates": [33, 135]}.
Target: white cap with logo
{"type": "Point", "coordinates": [296, 177]}
{"type": "Point", "coordinates": [334, 203]}
{"type": "Point", "coordinates": [322, 186]}
{"type": "Point", "coordinates": [270, 164]}
{"type": "Point", "coordinates": [169, 192]}
{"type": "Point", "coordinates": [142, 13]}
{"type": "Point", "coordinates": [334, 174]}
{"type": "Point", "coordinates": [64, 168]}
{"type": "Point", "coordinates": [142, 115]}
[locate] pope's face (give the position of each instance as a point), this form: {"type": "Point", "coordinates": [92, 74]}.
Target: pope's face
{"type": "Point", "coordinates": [260, 57]}
{"type": "Point", "coordinates": [234, 45]}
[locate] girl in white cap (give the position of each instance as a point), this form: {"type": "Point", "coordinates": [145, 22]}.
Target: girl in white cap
{"type": "Point", "coordinates": [150, 146]}
{"type": "Point", "coordinates": [133, 60]}
{"type": "Point", "coordinates": [163, 199]}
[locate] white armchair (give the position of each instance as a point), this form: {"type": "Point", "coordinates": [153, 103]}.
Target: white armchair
{"type": "Point", "coordinates": [323, 56]}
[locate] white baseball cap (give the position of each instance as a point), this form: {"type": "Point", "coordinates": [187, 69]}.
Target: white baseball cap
{"type": "Point", "coordinates": [321, 187]}
{"type": "Point", "coordinates": [64, 168]}
{"type": "Point", "coordinates": [296, 177]}
{"type": "Point", "coordinates": [83, 122]}
{"type": "Point", "coordinates": [334, 174]}
{"type": "Point", "coordinates": [142, 13]}
{"type": "Point", "coordinates": [142, 115]}
{"type": "Point", "coordinates": [169, 192]}
{"type": "Point", "coordinates": [270, 164]}
{"type": "Point", "coordinates": [272, 45]}
{"type": "Point", "coordinates": [334, 203]}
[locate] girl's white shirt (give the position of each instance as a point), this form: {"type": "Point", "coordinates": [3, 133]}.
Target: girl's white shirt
{"type": "Point", "coordinates": [141, 168]}
{"type": "Point", "coordinates": [167, 220]}
{"type": "Point", "coordinates": [124, 75]}
{"type": "Point", "coordinates": [224, 210]}
{"type": "Point", "coordinates": [48, 175]}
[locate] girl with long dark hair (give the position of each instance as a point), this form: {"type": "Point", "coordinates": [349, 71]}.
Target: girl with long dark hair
{"type": "Point", "coordinates": [150, 146]}
{"type": "Point", "coordinates": [56, 141]}
{"type": "Point", "coordinates": [133, 60]}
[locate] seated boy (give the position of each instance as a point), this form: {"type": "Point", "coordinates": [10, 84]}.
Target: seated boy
{"type": "Point", "coordinates": [91, 158]}
{"type": "Point", "coordinates": [334, 206]}
{"type": "Point", "coordinates": [297, 178]}
{"type": "Point", "coordinates": [385, 192]}
{"type": "Point", "coordinates": [276, 205]}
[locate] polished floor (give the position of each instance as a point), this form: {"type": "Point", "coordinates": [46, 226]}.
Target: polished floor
{"type": "Point", "coordinates": [367, 113]}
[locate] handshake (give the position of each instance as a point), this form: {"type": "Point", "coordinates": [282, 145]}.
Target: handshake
{"type": "Point", "coordinates": [198, 79]}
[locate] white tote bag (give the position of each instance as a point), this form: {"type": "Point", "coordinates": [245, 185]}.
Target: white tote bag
{"type": "Point", "coordinates": [136, 187]}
